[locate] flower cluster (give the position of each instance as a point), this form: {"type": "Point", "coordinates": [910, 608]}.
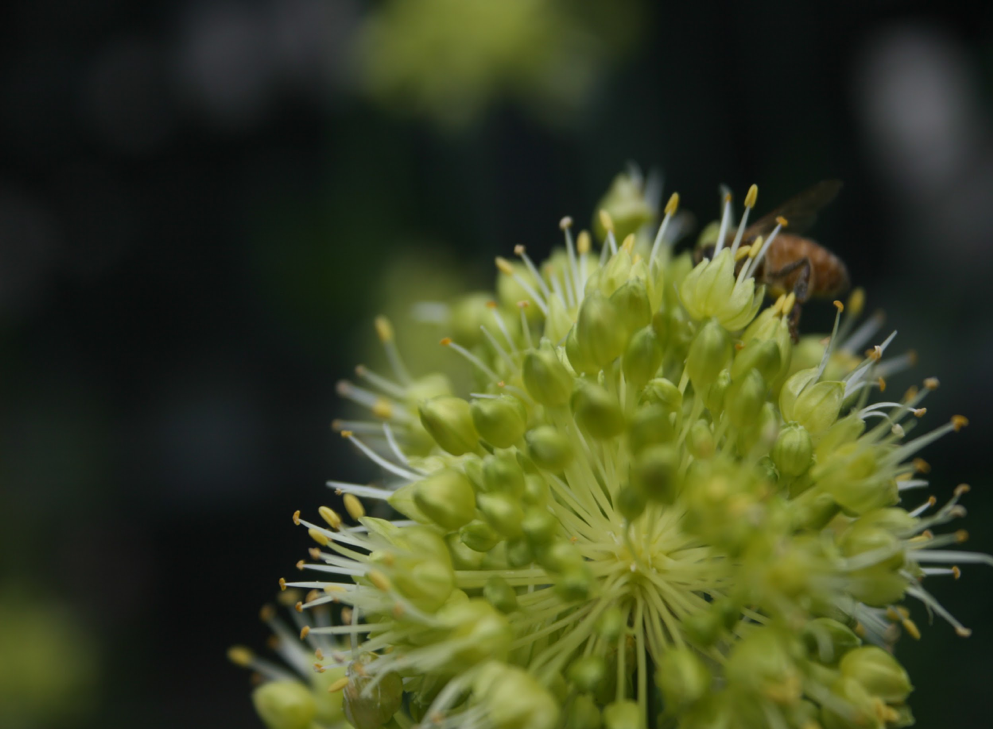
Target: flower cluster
{"type": "Point", "coordinates": [653, 509]}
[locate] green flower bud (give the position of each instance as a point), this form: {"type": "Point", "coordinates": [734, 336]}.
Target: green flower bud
{"type": "Point", "coordinates": [654, 472]}
{"type": "Point", "coordinates": [631, 501]}
{"type": "Point", "coordinates": [745, 399]}
{"type": "Point", "coordinates": [615, 274]}
{"type": "Point", "coordinates": [843, 432]}
{"type": "Point", "coordinates": [761, 662]}
{"type": "Point", "coordinates": [759, 354]}
{"type": "Point", "coordinates": [426, 582]}
{"type": "Point", "coordinates": [682, 678]}
{"type": "Point", "coordinates": [611, 624]}
{"type": "Point", "coordinates": [478, 630]}
{"type": "Point", "coordinates": [503, 474]}
{"type": "Point", "coordinates": [626, 205]}
{"type": "Point", "coordinates": [560, 556]}
{"type": "Point", "coordinates": [630, 302]}
{"type": "Point", "coordinates": [710, 290]}
{"type": "Point", "coordinates": [540, 526]}
{"type": "Point", "coordinates": [284, 705]}
{"type": "Point", "coordinates": [700, 442]}
{"type": "Point", "coordinates": [813, 509]}
{"type": "Point", "coordinates": [535, 490]}
{"type": "Point", "coordinates": [549, 448]}
{"type": "Point", "coordinates": [403, 501]}
{"type": "Point", "coordinates": [854, 708]}
{"type": "Point", "coordinates": [463, 558]}
{"type": "Point", "coordinates": [449, 422]}
{"type": "Point", "coordinates": [715, 394]}
{"type": "Point", "coordinates": [828, 640]}
{"type": "Point", "coordinates": [597, 411]}
{"type": "Point", "coordinates": [792, 451]}
{"type": "Point", "coordinates": [852, 476]}
{"type": "Point", "coordinates": [599, 330]}
{"type": "Point", "coordinates": [703, 628]}
{"type": "Point", "coordinates": [587, 672]}
{"type": "Point", "coordinates": [579, 357]}
{"type": "Point", "coordinates": [623, 715]}
{"type": "Point", "coordinates": [547, 380]}
{"type": "Point", "coordinates": [709, 354]}
{"type": "Point", "coordinates": [817, 407]}
{"type": "Point", "coordinates": [469, 313]}
{"type": "Point", "coordinates": [446, 497]}
{"type": "Point", "coordinates": [642, 358]}
{"type": "Point", "coordinates": [479, 536]}
{"type": "Point", "coordinates": [500, 421]}
{"type": "Point", "coordinates": [661, 391]}
{"type": "Point", "coordinates": [877, 672]}
{"type": "Point", "coordinates": [500, 594]}
{"type": "Point", "coordinates": [503, 512]}
{"type": "Point", "coordinates": [519, 553]}
{"type": "Point", "coordinates": [583, 713]}
{"type": "Point", "coordinates": [373, 709]}
{"type": "Point", "coordinates": [515, 700]}
{"type": "Point", "coordinates": [650, 426]}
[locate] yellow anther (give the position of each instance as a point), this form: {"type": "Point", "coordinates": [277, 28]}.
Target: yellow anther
{"type": "Point", "coordinates": [859, 630]}
{"type": "Point", "coordinates": [523, 304]}
{"type": "Point", "coordinates": [382, 408]}
{"type": "Point", "coordinates": [959, 422]}
{"type": "Point", "coordinates": [752, 196]}
{"type": "Point", "coordinates": [756, 246]}
{"type": "Point", "coordinates": [628, 244]}
{"type": "Point", "coordinates": [518, 250]}
{"type": "Point", "coordinates": [673, 205]}
{"type": "Point", "coordinates": [379, 580]}
{"type": "Point", "coordinates": [962, 489]}
{"type": "Point", "coordinates": [875, 353]}
{"type": "Point", "coordinates": [565, 223]}
{"type": "Point", "coordinates": [919, 412]}
{"type": "Point", "coordinates": [304, 632]}
{"type": "Point", "coordinates": [314, 553]}
{"type": "Point", "coordinates": [931, 383]}
{"type": "Point", "coordinates": [856, 301]}
{"type": "Point", "coordinates": [299, 606]}
{"type": "Point", "coordinates": [504, 266]}
{"type": "Point", "coordinates": [346, 434]}
{"type": "Point", "coordinates": [296, 517]}
{"type": "Point", "coordinates": [384, 330]}
{"type": "Point", "coordinates": [727, 197]}
{"type": "Point", "coordinates": [445, 341]}
{"type": "Point", "coordinates": [311, 596]}
{"type": "Point", "coordinates": [742, 252]}
{"type": "Point", "coordinates": [282, 583]}
{"type": "Point", "coordinates": [789, 303]}
{"type": "Point", "coordinates": [956, 572]}
{"type": "Point", "coordinates": [338, 685]}
{"type": "Point", "coordinates": [240, 656]}
{"type": "Point", "coordinates": [777, 307]}
{"type": "Point", "coordinates": [318, 537]}
{"type": "Point", "coordinates": [838, 305]}
{"type": "Point", "coordinates": [334, 588]}
{"type": "Point", "coordinates": [921, 466]}
{"type": "Point", "coordinates": [319, 668]}
{"type": "Point", "coordinates": [892, 615]}
{"type": "Point", "coordinates": [267, 613]}
{"type": "Point", "coordinates": [583, 242]}
{"type": "Point", "coordinates": [330, 516]}
{"type": "Point", "coordinates": [932, 500]}
{"type": "Point", "coordinates": [782, 221]}
{"type": "Point", "coordinates": [346, 615]}
{"type": "Point", "coordinates": [301, 564]}
{"type": "Point", "coordinates": [397, 611]}
{"type": "Point", "coordinates": [606, 221]}
{"type": "Point", "coordinates": [912, 357]}
{"type": "Point", "coordinates": [910, 394]}
{"type": "Point", "coordinates": [272, 642]}
{"type": "Point", "coordinates": [961, 536]}
{"type": "Point", "coordinates": [319, 654]}
{"type": "Point", "coordinates": [882, 384]}
{"type": "Point", "coordinates": [962, 632]}
{"type": "Point", "coordinates": [491, 304]}
{"type": "Point", "coordinates": [354, 507]}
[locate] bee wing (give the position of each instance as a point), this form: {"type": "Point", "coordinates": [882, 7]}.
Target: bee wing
{"type": "Point", "coordinates": [800, 210]}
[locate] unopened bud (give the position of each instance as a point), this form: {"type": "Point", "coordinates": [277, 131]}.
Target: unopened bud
{"type": "Point", "coordinates": [373, 708]}
{"type": "Point", "coordinates": [878, 672]}
{"type": "Point", "coordinates": [597, 411]}
{"type": "Point", "coordinates": [515, 700]}
{"type": "Point", "coordinates": [583, 713]}
{"type": "Point", "coordinates": [449, 421]}
{"type": "Point", "coordinates": [631, 501]}
{"type": "Point", "coordinates": [547, 380]}
{"type": "Point", "coordinates": [624, 714]}
{"type": "Point", "coordinates": [682, 678]}
{"type": "Point", "coordinates": [709, 354]}
{"type": "Point", "coordinates": [745, 399]}
{"type": "Point", "coordinates": [479, 536]}
{"type": "Point", "coordinates": [631, 305]}
{"type": "Point", "coordinates": [654, 472]}
{"type": "Point", "coordinates": [643, 357]}
{"type": "Point", "coordinates": [587, 672]}
{"type": "Point", "coordinates": [817, 407]}
{"type": "Point", "coordinates": [714, 395]}
{"type": "Point", "coordinates": [700, 442]}
{"type": "Point", "coordinates": [519, 552]}
{"type": "Point", "coordinates": [549, 448]}
{"type": "Point", "coordinates": [539, 526]}
{"type": "Point", "coordinates": [503, 474]}
{"type": "Point", "coordinates": [599, 331]}
{"type": "Point", "coordinates": [759, 354]}
{"type": "Point", "coordinates": [500, 421]}
{"type": "Point", "coordinates": [500, 594]}
{"type": "Point", "coordinates": [828, 640]}
{"type": "Point", "coordinates": [446, 497]}
{"type": "Point", "coordinates": [661, 391]}
{"type": "Point", "coordinates": [626, 205]}
{"type": "Point", "coordinates": [427, 583]}
{"type": "Point", "coordinates": [284, 704]}
{"type": "Point", "coordinates": [792, 451]}
{"type": "Point", "coordinates": [650, 426]}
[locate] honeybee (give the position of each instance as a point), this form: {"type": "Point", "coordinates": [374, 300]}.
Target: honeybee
{"type": "Point", "coordinates": [791, 261]}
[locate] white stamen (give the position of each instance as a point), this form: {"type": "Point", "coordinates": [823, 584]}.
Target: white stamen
{"type": "Point", "coordinates": [725, 222]}
{"type": "Point", "coordinates": [379, 460]}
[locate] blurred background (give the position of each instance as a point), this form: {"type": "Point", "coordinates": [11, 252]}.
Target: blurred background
{"type": "Point", "coordinates": [203, 204]}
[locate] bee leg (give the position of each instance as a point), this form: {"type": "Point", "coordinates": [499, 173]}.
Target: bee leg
{"type": "Point", "coordinates": [801, 289]}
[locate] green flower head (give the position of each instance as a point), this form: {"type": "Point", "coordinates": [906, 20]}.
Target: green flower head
{"type": "Point", "coordinates": [652, 508]}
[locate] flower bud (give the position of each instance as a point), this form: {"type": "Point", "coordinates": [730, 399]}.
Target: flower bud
{"type": "Point", "coordinates": [627, 206]}
{"type": "Point", "coordinates": [852, 708]}
{"type": "Point", "coordinates": [579, 357]}
{"type": "Point", "coordinates": [425, 582]}
{"type": "Point", "coordinates": [373, 708]}
{"type": "Point", "coordinates": [700, 442]}
{"type": "Point", "coordinates": [500, 421]}
{"type": "Point", "coordinates": [503, 474]}
{"type": "Point", "coordinates": [650, 426]}
{"type": "Point", "coordinates": [710, 290]}
{"type": "Point", "coordinates": [539, 526]}
{"type": "Point", "coordinates": [502, 512]}
{"type": "Point", "coordinates": [817, 407]}
{"type": "Point", "coordinates": [583, 713]}
{"type": "Point", "coordinates": [682, 678]}
{"type": "Point", "coordinates": [284, 705]}
{"type": "Point", "coordinates": [615, 274]}
{"type": "Point", "coordinates": [479, 536]}
{"type": "Point", "coordinates": [714, 395]}
{"type": "Point", "coordinates": [549, 448]}
{"type": "Point", "coordinates": [792, 451]}
{"type": "Point", "coordinates": [654, 472]}
{"type": "Point", "coordinates": [761, 662]}
{"type": "Point", "coordinates": [624, 714]}
{"type": "Point", "coordinates": [878, 672]}
{"type": "Point", "coordinates": [535, 490]}
{"type": "Point", "coordinates": [478, 632]}
{"type": "Point", "coordinates": [759, 354]}
{"type": "Point", "coordinates": [547, 380]}
{"type": "Point", "coordinates": [599, 331]}
{"type": "Point", "coordinates": [449, 421]}
{"type": "Point", "coordinates": [500, 594]}
{"type": "Point", "coordinates": [446, 497]}
{"type": "Point", "coordinates": [661, 391]}
{"type": "Point", "coordinates": [587, 672]}
{"type": "Point", "coordinates": [643, 357]}
{"type": "Point", "coordinates": [709, 354]}
{"type": "Point", "coordinates": [828, 640]}
{"type": "Point", "coordinates": [631, 501]}
{"type": "Point", "coordinates": [515, 700]}
{"type": "Point", "coordinates": [519, 553]}
{"type": "Point", "coordinates": [597, 411]}
{"type": "Point", "coordinates": [463, 558]}
{"type": "Point", "coordinates": [631, 305]}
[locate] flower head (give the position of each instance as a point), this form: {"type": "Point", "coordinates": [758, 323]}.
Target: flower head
{"type": "Point", "coordinates": [643, 506]}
